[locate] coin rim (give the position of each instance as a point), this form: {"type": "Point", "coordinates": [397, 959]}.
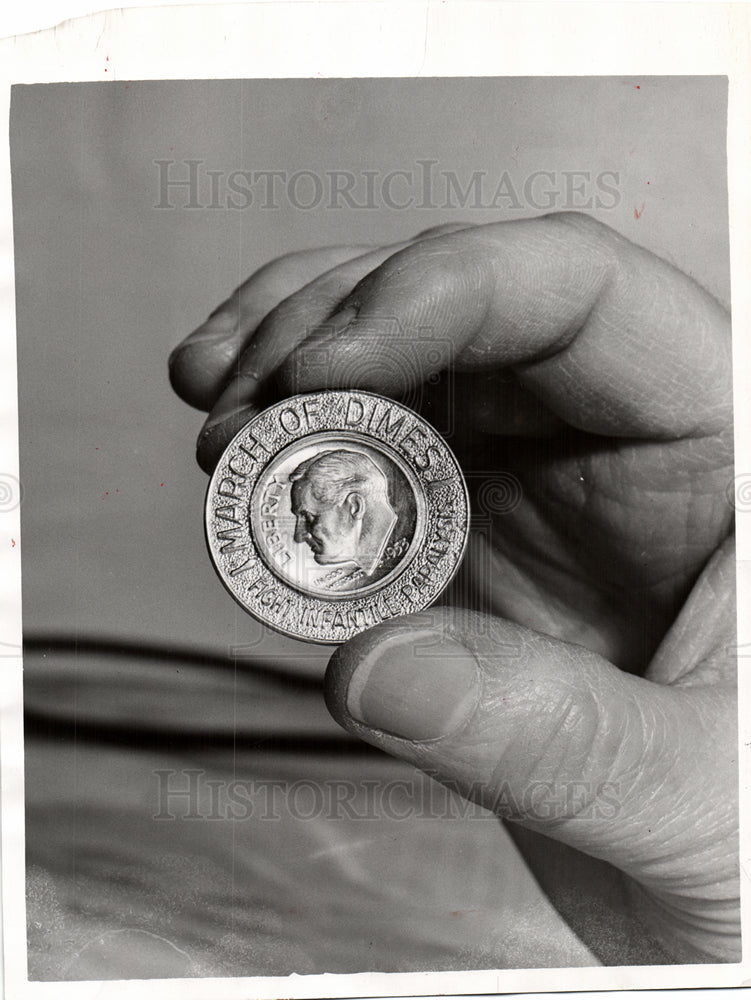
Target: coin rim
{"type": "Point", "coordinates": [288, 401]}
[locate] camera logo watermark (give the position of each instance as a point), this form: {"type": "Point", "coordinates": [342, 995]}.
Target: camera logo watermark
{"type": "Point", "coordinates": [500, 493]}
{"type": "Point", "coordinates": [11, 492]}
{"type": "Point", "coordinates": [414, 362]}
{"type": "Point", "coordinates": [739, 492]}
{"type": "Point", "coordinates": [194, 184]}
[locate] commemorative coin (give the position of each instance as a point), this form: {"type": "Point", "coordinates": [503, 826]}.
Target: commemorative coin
{"type": "Point", "coordinates": [332, 511]}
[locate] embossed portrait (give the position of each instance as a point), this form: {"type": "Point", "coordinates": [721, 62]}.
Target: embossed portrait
{"type": "Point", "coordinates": [342, 510]}
{"type": "Point", "coordinates": [335, 516]}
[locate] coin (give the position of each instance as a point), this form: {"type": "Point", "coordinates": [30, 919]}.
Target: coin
{"type": "Point", "coordinates": [333, 511]}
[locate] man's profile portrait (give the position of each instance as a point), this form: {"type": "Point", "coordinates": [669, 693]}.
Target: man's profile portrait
{"type": "Point", "coordinates": [341, 505]}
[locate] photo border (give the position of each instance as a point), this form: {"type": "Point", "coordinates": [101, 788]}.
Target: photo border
{"type": "Point", "coordinates": [454, 38]}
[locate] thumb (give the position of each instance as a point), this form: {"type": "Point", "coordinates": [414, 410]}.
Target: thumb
{"type": "Point", "coordinates": [550, 735]}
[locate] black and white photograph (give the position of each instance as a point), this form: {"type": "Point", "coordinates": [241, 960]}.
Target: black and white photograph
{"type": "Point", "coordinates": [378, 497]}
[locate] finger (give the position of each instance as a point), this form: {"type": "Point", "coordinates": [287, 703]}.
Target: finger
{"type": "Point", "coordinates": [611, 338]}
{"type": "Point", "coordinates": [200, 365]}
{"type": "Point", "coordinates": [552, 736]}
{"type": "Point", "coordinates": [700, 647]}
{"type": "Point", "coordinates": [267, 346]}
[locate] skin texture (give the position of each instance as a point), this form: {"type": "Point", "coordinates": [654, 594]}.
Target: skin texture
{"type": "Point", "coordinates": [584, 687]}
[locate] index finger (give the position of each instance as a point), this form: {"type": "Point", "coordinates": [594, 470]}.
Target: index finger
{"type": "Point", "coordinates": [201, 363]}
{"type": "Point", "coordinates": [612, 338]}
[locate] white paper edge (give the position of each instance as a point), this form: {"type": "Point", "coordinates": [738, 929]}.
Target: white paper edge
{"type": "Point", "coordinates": [434, 38]}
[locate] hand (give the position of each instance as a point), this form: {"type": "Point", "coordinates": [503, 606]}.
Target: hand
{"type": "Point", "coordinates": [591, 698]}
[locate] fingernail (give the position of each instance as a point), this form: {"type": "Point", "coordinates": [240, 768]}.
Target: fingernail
{"type": "Point", "coordinates": [236, 397]}
{"type": "Point", "coordinates": [235, 417]}
{"type": "Point", "coordinates": [224, 426]}
{"type": "Point", "coordinates": [420, 686]}
{"type": "Point", "coordinates": [219, 327]}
